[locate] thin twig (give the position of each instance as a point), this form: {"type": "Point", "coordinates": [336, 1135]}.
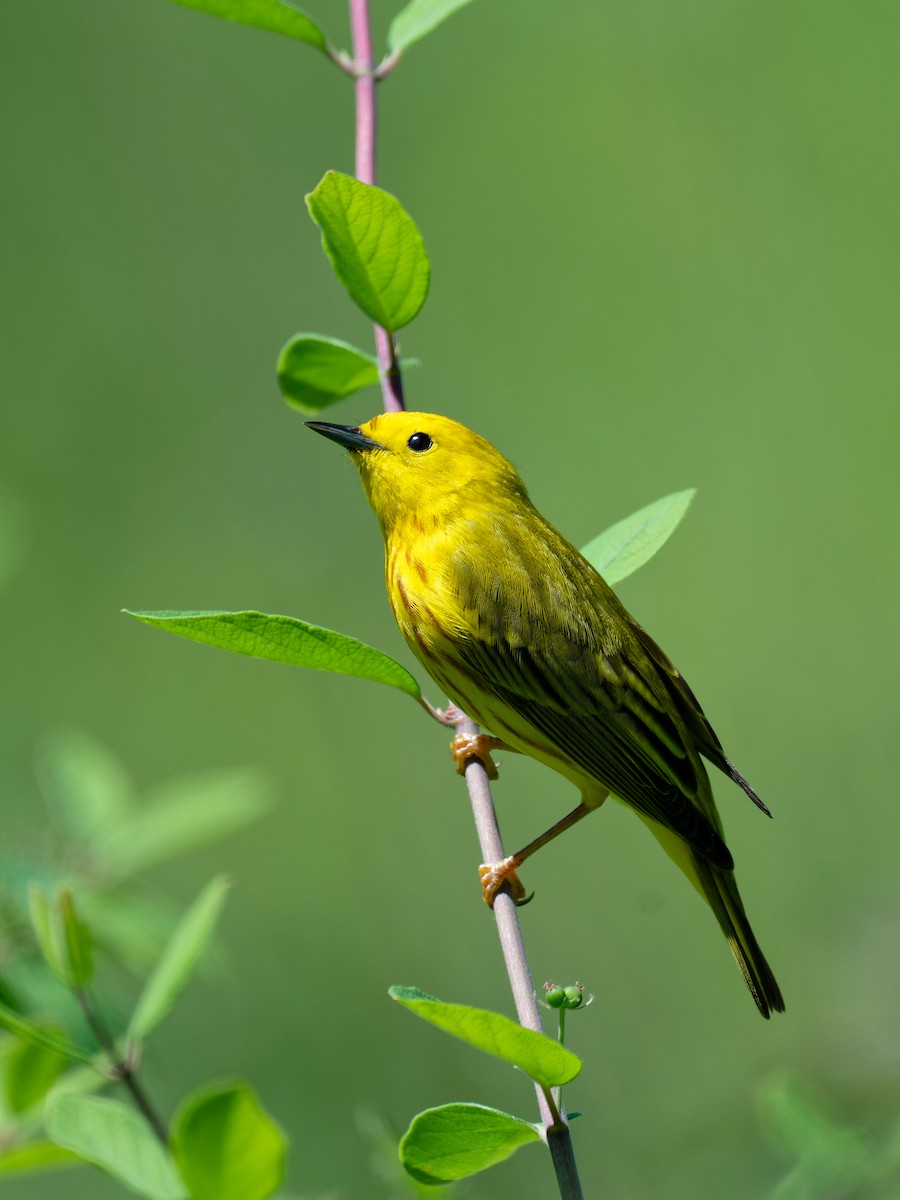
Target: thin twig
{"type": "Point", "coordinates": [121, 1067]}
{"type": "Point", "coordinates": [366, 142]}
{"type": "Point", "coordinates": [512, 944]}
{"type": "Point", "coordinates": [556, 1131]}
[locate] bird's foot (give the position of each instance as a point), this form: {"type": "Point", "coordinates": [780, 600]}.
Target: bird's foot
{"type": "Point", "coordinates": [463, 749]}
{"type": "Point", "coordinates": [494, 876]}
{"type": "Point", "coordinates": [451, 715]}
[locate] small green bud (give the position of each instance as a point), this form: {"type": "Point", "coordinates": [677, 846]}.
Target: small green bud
{"type": "Point", "coordinates": [574, 995]}
{"type": "Point", "coordinates": [554, 995]}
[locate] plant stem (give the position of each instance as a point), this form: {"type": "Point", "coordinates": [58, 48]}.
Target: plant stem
{"type": "Point", "coordinates": [122, 1068]}
{"type": "Point", "coordinates": [556, 1131]}
{"type": "Point", "coordinates": [559, 1143]}
{"type": "Point", "coordinates": [366, 142]}
{"type": "Point", "coordinates": [512, 944]}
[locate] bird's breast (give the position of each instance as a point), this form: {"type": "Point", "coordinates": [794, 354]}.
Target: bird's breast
{"type": "Point", "coordinates": [417, 597]}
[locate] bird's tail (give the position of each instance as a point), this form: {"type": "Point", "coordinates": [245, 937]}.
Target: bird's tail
{"type": "Point", "coordinates": [724, 899]}
{"type": "Point", "coordinates": [717, 886]}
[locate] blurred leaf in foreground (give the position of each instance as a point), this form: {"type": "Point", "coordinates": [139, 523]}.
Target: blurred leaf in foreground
{"type": "Point", "coordinates": [184, 813]}
{"type": "Point", "coordinates": [831, 1160]}
{"type": "Point", "coordinates": [179, 960]}
{"type": "Point", "coordinates": [226, 1146]}
{"type": "Point", "coordinates": [115, 1138]}
{"type": "Point", "coordinates": [85, 787]}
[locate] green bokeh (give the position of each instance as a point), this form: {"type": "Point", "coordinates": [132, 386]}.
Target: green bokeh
{"type": "Point", "coordinates": [664, 242]}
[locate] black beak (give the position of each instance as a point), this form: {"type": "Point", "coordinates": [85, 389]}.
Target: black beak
{"type": "Point", "coordinates": [344, 435]}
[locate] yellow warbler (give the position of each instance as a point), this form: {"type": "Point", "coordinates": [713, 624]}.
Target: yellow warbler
{"type": "Point", "coordinates": [525, 636]}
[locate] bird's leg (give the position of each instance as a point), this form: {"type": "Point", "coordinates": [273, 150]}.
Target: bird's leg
{"type": "Point", "coordinates": [494, 875]}
{"type": "Point", "coordinates": [450, 715]}
{"type": "Point", "coordinates": [479, 746]}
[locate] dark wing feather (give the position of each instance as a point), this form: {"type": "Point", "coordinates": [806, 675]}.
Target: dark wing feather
{"type": "Point", "coordinates": [703, 733]}
{"type": "Point", "coordinates": [608, 729]}
{"type": "Point", "coordinates": [548, 636]}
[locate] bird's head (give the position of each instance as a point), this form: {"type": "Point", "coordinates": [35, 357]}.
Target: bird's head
{"type": "Point", "coordinates": [423, 465]}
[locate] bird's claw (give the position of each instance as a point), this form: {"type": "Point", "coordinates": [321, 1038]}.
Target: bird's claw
{"type": "Point", "coordinates": [465, 748]}
{"type": "Point", "coordinates": [451, 715]}
{"type": "Point", "coordinates": [496, 875]}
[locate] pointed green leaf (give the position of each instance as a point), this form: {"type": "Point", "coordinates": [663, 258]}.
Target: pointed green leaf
{"type": "Point", "coordinates": [31, 1070]}
{"type": "Point", "coordinates": [374, 246]}
{"type": "Point", "coordinates": [179, 960]}
{"type": "Point", "coordinates": [85, 787]}
{"type": "Point", "coordinates": [314, 372]}
{"type": "Point", "coordinates": [627, 545]}
{"type": "Point", "coordinates": [285, 639]}
{"type": "Point", "coordinates": [35, 1157]}
{"type": "Point", "coordinates": [115, 1138]}
{"type": "Point", "coordinates": [42, 1037]}
{"type": "Point", "coordinates": [456, 1140]}
{"type": "Point", "coordinates": [829, 1156]}
{"type": "Point", "coordinates": [182, 814]}
{"type": "Point", "coordinates": [419, 18]}
{"type": "Point", "coordinates": [546, 1061]}
{"type": "Point", "coordinates": [273, 15]}
{"type": "Point", "coordinates": [226, 1146]}
{"type": "Point", "coordinates": [77, 940]}
{"type": "Point", "coordinates": [48, 932]}
{"type": "Point", "coordinates": [80, 1080]}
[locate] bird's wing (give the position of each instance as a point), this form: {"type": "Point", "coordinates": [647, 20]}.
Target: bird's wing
{"type": "Point", "coordinates": [601, 722]}
{"type": "Point", "coordinates": [570, 662]}
{"type": "Point", "coordinates": [689, 708]}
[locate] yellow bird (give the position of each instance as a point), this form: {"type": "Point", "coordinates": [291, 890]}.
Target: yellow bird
{"type": "Point", "coordinates": [525, 637]}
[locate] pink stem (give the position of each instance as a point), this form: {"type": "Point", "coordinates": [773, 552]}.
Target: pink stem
{"type": "Point", "coordinates": [556, 1130]}
{"type": "Point", "coordinates": [366, 141]}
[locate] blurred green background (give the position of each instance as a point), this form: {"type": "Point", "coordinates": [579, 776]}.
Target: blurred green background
{"type": "Point", "coordinates": [665, 246]}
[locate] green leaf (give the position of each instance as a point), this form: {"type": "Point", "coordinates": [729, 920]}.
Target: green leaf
{"type": "Point", "coordinates": [42, 1037]}
{"type": "Point", "coordinates": [31, 1070]}
{"type": "Point", "coordinates": [285, 639]}
{"type": "Point", "coordinates": [830, 1158]}
{"type": "Point", "coordinates": [456, 1140]}
{"type": "Point", "coordinates": [34, 1157]}
{"type": "Point", "coordinates": [185, 813]}
{"type": "Point", "coordinates": [314, 372]}
{"type": "Point", "coordinates": [115, 1138]}
{"type": "Point", "coordinates": [226, 1146]}
{"type": "Point", "coordinates": [627, 545]}
{"type": "Point", "coordinates": [86, 789]}
{"type": "Point", "coordinates": [274, 15]}
{"type": "Point", "coordinates": [63, 939]}
{"type": "Point", "coordinates": [48, 933]}
{"type": "Point", "coordinates": [374, 246]}
{"type": "Point", "coordinates": [179, 960]}
{"type": "Point", "coordinates": [78, 941]}
{"type": "Point", "coordinates": [78, 1080]}
{"type": "Point", "coordinates": [546, 1061]}
{"type": "Point", "coordinates": [419, 18]}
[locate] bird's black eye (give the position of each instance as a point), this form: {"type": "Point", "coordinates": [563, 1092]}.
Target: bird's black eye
{"type": "Point", "coordinates": [420, 442]}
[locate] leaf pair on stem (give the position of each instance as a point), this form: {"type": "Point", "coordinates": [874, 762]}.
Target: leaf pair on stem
{"type": "Point", "coordinates": [222, 1145]}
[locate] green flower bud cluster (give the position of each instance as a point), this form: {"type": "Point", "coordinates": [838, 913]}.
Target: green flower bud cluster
{"type": "Point", "coordinates": [571, 996]}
